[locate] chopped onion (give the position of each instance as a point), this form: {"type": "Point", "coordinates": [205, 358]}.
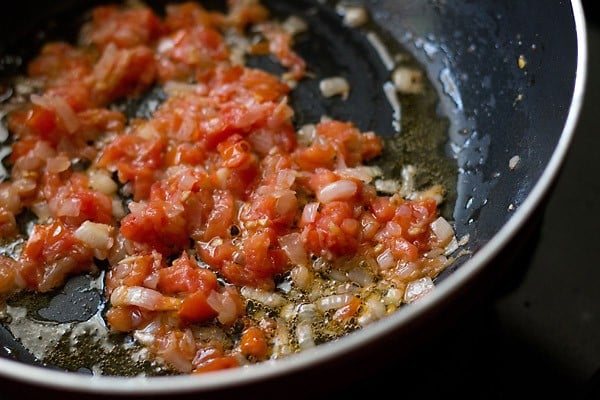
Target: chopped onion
{"type": "Point", "coordinates": [286, 203]}
{"type": "Point", "coordinates": [59, 105]}
{"type": "Point", "coordinates": [353, 16]}
{"type": "Point", "coordinates": [66, 207]}
{"type": "Point", "coordinates": [101, 181]}
{"type": "Point", "coordinates": [307, 134]}
{"type": "Point", "coordinates": [224, 305]}
{"type": "Point", "coordinates": [269, 299]}
{"type": "Point", "coordinates": [9, 198]}
{"type": "Point", "coordinates": [513, 162]}
{"type": "Point", "coordinates": [337, 191]}
{"type": "Point", "coordinates": [294, 25]}
{"type": "Point", "coordinates": [294, 248]}
{"type": "Point", "coordinates": [443, 230]}
{"type": "Point", "coordinates": [57, 164]}
{"type": "Point", "coordinates": [335, 86]}
{"type": "Point", "coordinates": [305, 335]}
{"type": "Point", "coordinates": [408, 80]}
{"type": "Point", "coordinates": [301, 276]}
{"type": "Point", "coordinates": [360, 276]}
{"type": "Point", "coordinates": [333, 302]}
{"type": "Point", "coordinates": [386, 259]}
{"type": "Point", "coordinates": [374, 309]}
{"type": "Point", "coordinates": [309, 213]}
{"type": "Point", "coordinates": [95, 235]}
{"type": "Point", "coordinates": [148, 299]}
{"type": "Point", "coordinates": [417, 289]}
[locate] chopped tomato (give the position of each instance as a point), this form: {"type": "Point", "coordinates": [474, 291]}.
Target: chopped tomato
{"type": "Point", "coordinates": [195, 308]}
{"type": "Point", "coordinates": [254, 343]}
{"type": "Point", "coordinates": [51, 254]}
{"type": "Point", "coordinates": [185, 276]}
{"type": "Point", "coordinates": [327, 235]}
{"type": "Point", "coordinates": [125, 28]}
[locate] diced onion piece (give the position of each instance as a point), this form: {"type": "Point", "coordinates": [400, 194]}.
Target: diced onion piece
{"type": "Point", "coordinates": [374, 309]}
{"type": "Point", "coordinates": [333, 302]}
{"type": "Point", "coordinates": [224, 304]}
{"type": "Point", "coordinates": [95, 235]}
{"type": "Point", "coordinates": [309, 213]}
{"type": "Point", "coordinates": [513, 162]}
{"type": "Point", "coordinates": [9, 198]}
{"type": "Point", "coordinates": [67, 207]}
{"type": "Point", "coordinates": [389, 186]}
{"type": "Point", "coordinates": [293, 247]}
{"type": "Point", "coordinates": [58, 164]}
{"type": "Point", "coordinates": [360, 276]}
{"type": "Point", "coordinates": [393, 296]}
{"type": "Point", "coordinates": [337, 191]}
{"type": "Point", "coordinates": [269, 299]}
{"type": "Point", "coordinates": [294, 25]}
{"type": "Point", "coordinates": [62, 109]}
{"type": "Point", "coordinates": [43, 150]}
{"type": "Point", "coordinates": [364, 174]}
{"type": "Point", "coordinates": [281, 340]}
{"type": "Point", "coordinates": [101, 181]}
{"type": "Point", "coordinates": [24, 186]}
{"type": "Point", "coordinates": [148, 299]}
{"type": "Point", "coordinates": [386, 259]}
{"type": "Point", "coordinates": [307, 134]}
{"type": "Point", "coordinates": [408, 80]}
{"type": "Point", "coordinates": [417, 289]}
{"type": "Point", "coordinates": [301, 276]}
{"type": "Point", "coordinates": [443, 230]}
{"type": "Point", "coordinates": [354, 16]}
{"type": "Point", "coordinates": [286, 203]}
{"type": "Point", "coordinates": [305, 335]}
{"type": "Point", "coordinates": [335, 86]}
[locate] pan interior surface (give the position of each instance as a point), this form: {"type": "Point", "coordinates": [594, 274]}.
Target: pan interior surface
{"type": "Point", "coordinates": [496, 109]}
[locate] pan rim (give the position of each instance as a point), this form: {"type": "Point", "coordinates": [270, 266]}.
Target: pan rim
{"type": "Point", "coordinates": [113, 385]}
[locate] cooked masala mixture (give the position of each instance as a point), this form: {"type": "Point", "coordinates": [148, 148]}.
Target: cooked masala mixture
{"type": "Point", "coordinates": [225, 235]}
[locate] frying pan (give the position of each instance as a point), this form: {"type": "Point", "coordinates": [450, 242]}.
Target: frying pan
{"type": "Point", "coordinates": [491, 108]}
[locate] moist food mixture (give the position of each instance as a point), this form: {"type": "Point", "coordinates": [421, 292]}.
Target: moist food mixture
{"type": "Point", "coordinates": [226, 235]}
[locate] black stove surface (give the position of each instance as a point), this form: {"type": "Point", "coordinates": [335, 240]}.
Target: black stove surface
{"type": "Point", "coordinates": [541, 337]}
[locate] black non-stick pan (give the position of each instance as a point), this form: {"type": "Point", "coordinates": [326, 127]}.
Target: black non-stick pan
{"type": "Point", "coordinates": [504, 90]}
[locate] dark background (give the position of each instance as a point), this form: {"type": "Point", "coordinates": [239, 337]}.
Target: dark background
{"type": "Point", "coordinates": [540, 337]}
